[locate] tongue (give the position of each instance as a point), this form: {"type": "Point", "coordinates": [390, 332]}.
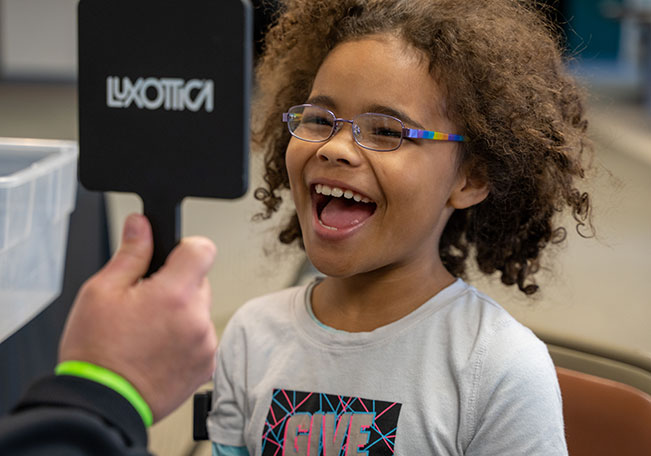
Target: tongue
{"type": "Point", "coordinates": [343, 213]}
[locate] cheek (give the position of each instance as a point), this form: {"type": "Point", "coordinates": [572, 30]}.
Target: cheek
{"type": "Point", "coordinates": [292, 163]}
{"type": "Point", "coordinates": [421, 185]}
{"type": "Point", "coordinates": [296, 158]}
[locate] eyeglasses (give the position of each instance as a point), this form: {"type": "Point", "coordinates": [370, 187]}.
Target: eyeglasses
{"type": "Point", "coordinates": [371, 131]}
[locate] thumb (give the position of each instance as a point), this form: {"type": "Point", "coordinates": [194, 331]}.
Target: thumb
{"type": "Point", "coordinates": [190, 261]}
{"type": "Point", "coordinates": [131, 261]}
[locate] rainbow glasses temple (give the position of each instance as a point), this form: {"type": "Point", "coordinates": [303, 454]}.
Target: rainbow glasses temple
{"type": "Point", "coordinates": [435, 135]}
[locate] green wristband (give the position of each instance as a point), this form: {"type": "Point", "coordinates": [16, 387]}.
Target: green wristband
{"type": "Point", "coordinates": [110, 379]}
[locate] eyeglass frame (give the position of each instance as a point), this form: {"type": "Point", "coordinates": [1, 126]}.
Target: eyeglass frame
{"type": "Point", "coordinates": [412, 133]}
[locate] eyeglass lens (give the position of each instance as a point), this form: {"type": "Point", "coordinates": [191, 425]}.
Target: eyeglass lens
{"type": "Point", "coordinates": [373, 131]}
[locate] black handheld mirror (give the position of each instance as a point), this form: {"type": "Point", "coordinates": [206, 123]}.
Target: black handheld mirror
{"type": "Point", "coordinates": [164, 90]}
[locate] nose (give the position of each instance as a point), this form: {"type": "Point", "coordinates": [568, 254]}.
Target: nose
{"type": "Point", "coordinates": [340, 148]}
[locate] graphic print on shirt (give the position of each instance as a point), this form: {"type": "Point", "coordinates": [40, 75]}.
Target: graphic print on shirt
{"type": "Point", "coordinates": [318, 424]}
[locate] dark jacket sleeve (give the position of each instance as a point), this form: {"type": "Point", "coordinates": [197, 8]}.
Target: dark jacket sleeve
{"type": "Point", "coordinates": [72, 416]}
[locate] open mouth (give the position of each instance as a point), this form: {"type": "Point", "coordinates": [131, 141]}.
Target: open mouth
{"type": "Point", "coordinates": [339, 208]}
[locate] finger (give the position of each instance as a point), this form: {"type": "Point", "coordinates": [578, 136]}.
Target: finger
{"type": "Point", "coordinates": [204, 295]}
{"type": "Point", "coordinates": [132, 259]}
{"type": "Point", "coordinates": [189, 262]}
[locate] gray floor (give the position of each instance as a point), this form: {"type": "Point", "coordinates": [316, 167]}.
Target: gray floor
{"type": "Point", "coordinates": [599, 288]}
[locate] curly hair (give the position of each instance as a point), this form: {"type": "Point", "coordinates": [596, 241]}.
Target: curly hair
{"type": "Point", "coordinates": [505, 87]}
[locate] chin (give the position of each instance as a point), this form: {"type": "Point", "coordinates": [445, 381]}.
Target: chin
{"type": "Point", "coordinates": [337, 260]}
{"type": "Point", "coordinates": [335, 268]}
{"type": "Point", "coordinates": [331, 267]}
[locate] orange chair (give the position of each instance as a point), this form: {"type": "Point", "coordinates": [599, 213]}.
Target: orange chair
{"type": "Point", "coordinates": [604, 417]}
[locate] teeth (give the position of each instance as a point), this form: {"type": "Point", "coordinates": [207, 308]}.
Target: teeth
{"type": "Point", "coordinates": [338, 193]}
{"type": "Point", "coordinates": [323, 189]}
{"type": "Point", "coordinates": [331, 228]}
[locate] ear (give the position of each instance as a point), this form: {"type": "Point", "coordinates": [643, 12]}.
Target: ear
{"type": "Point", "coordinates": [468, 191]}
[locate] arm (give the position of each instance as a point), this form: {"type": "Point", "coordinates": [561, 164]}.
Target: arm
{"type": "Point", "coordinates": [155, 333]}
{"type": "Point", "coordinates": [72, 416]}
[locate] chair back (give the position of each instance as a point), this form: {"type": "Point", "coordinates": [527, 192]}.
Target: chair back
{"type": "Point", "coordinates": [604, 417]}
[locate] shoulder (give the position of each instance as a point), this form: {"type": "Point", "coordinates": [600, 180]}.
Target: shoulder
{"type": "Point", "coordinates": [477, 326]}
{"type": "Point", "coordinates": [506, 340]}
{"type": "Point", "coordinates": [511, 380]}
{"type": "Point", "coordinates": [493, 349]}
{"type": "Point", "coordinates": [512, 367]}
{"type": "Point", "coordinates": [501, 344]}
{"type": "Point", "coordinates": [479, 318]}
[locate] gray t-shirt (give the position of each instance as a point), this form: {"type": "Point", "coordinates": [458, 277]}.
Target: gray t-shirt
{"type": "Point", "coordinates": [457, 376]}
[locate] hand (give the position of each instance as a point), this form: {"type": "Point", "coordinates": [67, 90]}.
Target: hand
{"type": "Point", "coordinates": [154, 332]}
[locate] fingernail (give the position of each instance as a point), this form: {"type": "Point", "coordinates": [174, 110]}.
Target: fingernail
{"type": "Point", "coordinates": [132, 228]}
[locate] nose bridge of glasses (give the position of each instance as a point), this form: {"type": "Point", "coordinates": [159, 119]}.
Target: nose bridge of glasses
{"type": "Point", "coordinates": [338, 123]}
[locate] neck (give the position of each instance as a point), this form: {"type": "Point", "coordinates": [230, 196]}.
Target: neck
{"type": "Point", "coordinates": [367, 301]}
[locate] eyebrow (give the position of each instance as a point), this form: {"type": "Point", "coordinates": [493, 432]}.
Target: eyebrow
{"type": "Point", "coordinates": [381, 109]}
{"type": "Point", "coordinates": [326, 101]}
{"type": "Point", "coordinates": [322, 100]}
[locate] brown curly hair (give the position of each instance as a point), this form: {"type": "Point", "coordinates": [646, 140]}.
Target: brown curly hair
{"type": "Point", "coordinates": [499, 64]}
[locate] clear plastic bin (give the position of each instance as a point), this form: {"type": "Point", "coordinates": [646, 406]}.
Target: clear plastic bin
{"type": "Point", "coordinates": [38, 184]}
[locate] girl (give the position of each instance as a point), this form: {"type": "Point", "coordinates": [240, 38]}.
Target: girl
{"type": "Point", "coordinates": [414, 134]}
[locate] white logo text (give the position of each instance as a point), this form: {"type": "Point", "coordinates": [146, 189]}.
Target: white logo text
{"type": "Point", "coordinates": [153, 93]}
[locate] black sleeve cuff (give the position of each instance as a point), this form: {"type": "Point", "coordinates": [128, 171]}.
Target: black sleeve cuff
{"type": "Point", "coordinates": [90, 396]}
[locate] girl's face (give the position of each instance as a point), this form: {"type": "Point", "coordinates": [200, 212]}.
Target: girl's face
{"type": "Point", "coordinates": [412, 190]}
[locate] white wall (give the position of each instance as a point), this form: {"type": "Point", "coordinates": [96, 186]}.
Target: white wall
{"type": "Point", "coordinates": [38, 39]}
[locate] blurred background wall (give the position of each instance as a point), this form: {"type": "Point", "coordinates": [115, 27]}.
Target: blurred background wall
{"type": "Point", "coordinates": [38, 40]}
{"type": "Point", "coordinates": [596, 299]}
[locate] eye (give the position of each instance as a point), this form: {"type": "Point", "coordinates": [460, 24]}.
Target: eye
{"type": "Point", "coordinates": [316, 119]}
{"type": "Point", "coordinates": [386, 132]}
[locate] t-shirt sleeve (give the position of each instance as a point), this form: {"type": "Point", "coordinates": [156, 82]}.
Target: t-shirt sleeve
{"type": "Point", "coordinates": [516, 403]}
{"type": "Point", "coordinates": [226, 420]}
